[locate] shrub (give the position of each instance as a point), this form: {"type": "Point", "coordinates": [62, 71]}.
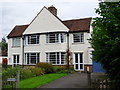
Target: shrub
{"type": "Point", "coordinates": [58, 68]}
{"type": "Point", "coordinates": [38, 71]}
{"type": "Point", "coordinates": [48, 68]}
{"type": "Point", "coordinates": [26, 73]}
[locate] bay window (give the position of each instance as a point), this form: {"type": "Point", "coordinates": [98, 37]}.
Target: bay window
{"type": "Point", "coordinates": [32, 58]}
{"type": "Point", "coordinates": [32, 39]}
{"type": "Point", "coordinates": [55, 38]}
{"type": "Point", "coordinates": [55, 57]}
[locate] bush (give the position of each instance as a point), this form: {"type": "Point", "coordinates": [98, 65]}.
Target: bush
{"type": "Point", "coordinates": [26, 73]}
{"type": "Point", "coordinates": [38, 71]}
{"type": "Point", "coordinates": [48, 68]}
{"type": "Point", "coordinates": [58, 68]}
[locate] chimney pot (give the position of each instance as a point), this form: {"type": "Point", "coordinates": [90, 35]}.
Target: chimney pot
{"type": "Point", "coordinates": [53, 10]}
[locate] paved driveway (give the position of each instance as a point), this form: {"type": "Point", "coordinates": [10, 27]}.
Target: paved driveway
{"type": "Point", "coordinates": [75, 80]}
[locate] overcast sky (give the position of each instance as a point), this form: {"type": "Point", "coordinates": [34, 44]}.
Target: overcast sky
{"type": "Point", "coordinates": [20, 12]}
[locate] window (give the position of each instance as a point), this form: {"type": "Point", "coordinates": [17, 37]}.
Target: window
{"type": "Point", "coordinates": [32, 58]}
{"type": "Point", "coordinates": [55, 57]}
{"type": "Point", "coordinates": [15, 60]}
{"type": "Point", "coordinates": [16, 41]}
{"type": "Point", "coordinates": [55, 38]}
{"type": "Point", "coordinates": [78, 37]}
{"type": "Point", "coordinates": [33, 39]}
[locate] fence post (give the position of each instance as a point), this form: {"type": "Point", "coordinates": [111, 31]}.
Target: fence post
{"type": "Point", "coordinates": [18, 79]}
{"type": "Point", "coordinates": [89, 78]}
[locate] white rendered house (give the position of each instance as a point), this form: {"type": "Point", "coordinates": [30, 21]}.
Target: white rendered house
{"type": "Point", "coordinates": [47, 38]}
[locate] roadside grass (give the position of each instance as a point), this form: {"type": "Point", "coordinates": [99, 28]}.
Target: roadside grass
{"type": "Point", "coordinates": [40, 80]}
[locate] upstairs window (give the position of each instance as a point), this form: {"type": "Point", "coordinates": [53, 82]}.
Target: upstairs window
{"type": "Point", "coordinates": [55, 38]}
{"type": "Point", "coordinates": [78, 38]}
{"type": "Point", "coordinates": [16, 42]}
{"type": "Point", "coordinates": [32, 39]}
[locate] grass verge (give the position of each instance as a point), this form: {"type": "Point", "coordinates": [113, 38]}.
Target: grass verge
{"type": "Point", "coordinates": [40, 80]}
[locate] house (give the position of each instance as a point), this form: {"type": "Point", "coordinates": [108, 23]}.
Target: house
{"type": "Point", "coordinates": [47, 38]}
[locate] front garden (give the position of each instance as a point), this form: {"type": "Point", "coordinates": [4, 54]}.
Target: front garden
{"type": "Point", "coordinates": [33, 77]}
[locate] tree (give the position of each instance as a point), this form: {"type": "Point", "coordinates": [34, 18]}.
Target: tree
{"type": "Point", "coordinates": [105, 38]}
{"type": "Point", "coordinates": [3, 45]}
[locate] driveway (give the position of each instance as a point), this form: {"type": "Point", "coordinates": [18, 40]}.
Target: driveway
{"type": "Point", "coordinates": [75, 80]}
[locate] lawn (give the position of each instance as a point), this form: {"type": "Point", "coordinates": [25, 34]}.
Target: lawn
{"type": "Point", "coordinates": [40, 80]}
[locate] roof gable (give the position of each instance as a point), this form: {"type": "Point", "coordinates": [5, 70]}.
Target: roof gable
{"type": "Point", "coordinates": [45, 21]}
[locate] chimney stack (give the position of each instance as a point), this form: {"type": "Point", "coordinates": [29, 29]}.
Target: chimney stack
{"type": "Point", "coordinates": [53, 10]}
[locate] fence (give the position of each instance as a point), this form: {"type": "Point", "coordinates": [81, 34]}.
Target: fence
{"type": "Point", "coordinates": [11, 81]}
{"type": "Point", "coordinates": [104, 84]}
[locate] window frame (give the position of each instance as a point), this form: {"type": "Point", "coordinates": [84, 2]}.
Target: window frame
{"type": "Point", "coordinates": [80, 38]}
{"type": "Point", "coordinates": [16, 40]}
{"type": "Point", "coordinates": [56, 38]}
{"type": "Point", "coordinates": [35, 38]}
{"type": "Point", "coordinates": [28, 58]}
{"type": "Point", "coordinates": [60, 61]}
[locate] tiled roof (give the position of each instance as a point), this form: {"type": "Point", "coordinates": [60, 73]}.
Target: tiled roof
{"type": "Point", "coordinates": [17, 31]}
{"type": "Point", "coordinates": [73, 25]}
{"type": "Point", "coordinates": [78, 24]}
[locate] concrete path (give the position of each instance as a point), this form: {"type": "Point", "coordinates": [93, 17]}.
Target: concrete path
{"type": "Point", "coordinates": [75, 80]}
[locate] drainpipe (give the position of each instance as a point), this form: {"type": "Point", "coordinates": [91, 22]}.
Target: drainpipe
{"type": "Point", "coordinates": [68, 50]}
{"type": "Point", "coordinates": [22, 51]}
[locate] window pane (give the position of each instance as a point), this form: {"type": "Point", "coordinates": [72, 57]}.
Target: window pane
{"type": "Point", "coordinates": [76, 58]}
{"type": "Point", "coordinates": [81, 58]}
{"type": "Point", "coordinates": [58, 58]}
{"type": "Point", "coordinates": [62, 57]}
{"type": "Point", "coordinates": [17, 58]}
{"type": "Point", "coordinates": [33, 58]}
{"type": "Point", "coordinates": [81, 66]}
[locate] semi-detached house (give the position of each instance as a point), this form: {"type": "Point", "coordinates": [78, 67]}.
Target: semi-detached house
{"type": "Point", "coordinates": [47, 38]}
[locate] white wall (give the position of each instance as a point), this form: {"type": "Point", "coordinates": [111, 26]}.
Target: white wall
{"type": "Point", "coordinates": [81, 47]}
{"type": "Point", "coordinates": [45, 22]}
{"type": "Point", "coordinates": [13, 51]}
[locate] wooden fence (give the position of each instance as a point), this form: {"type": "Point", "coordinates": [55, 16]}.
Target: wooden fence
{"type": "Point", "coordinates": [11, 81]}
{"type": "Point", "coordinates": [104, 84]}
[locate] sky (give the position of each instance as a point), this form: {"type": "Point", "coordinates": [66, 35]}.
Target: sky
{"type": "Point", "coordinates": [21, 12]}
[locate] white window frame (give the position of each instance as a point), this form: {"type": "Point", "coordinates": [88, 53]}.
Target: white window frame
{"type": "Point", "coordinates": [79, 63]}
{"type": "Point", "coordinates": [28, 39]}
{"type": "Point", "coordinates": [79, 38]}
{"type": "Point", "coordinates": [28, 59]}
{"type": "Point", "coordinates": [16, 59]}
{"type": "Point", "coordinates": [57, 38]}
{"type": "Point", "coordinates": [61, 62]}
{"type": "Point", "coordinates": [16, 42]}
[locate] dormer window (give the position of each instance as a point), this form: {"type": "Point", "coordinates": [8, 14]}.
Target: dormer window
{"type": "Point", "coordinates": [78, 37]}
{"type": "Point", "coordinates": [55, 38]}
{"type": "Point", "coordinates": [32, 39]}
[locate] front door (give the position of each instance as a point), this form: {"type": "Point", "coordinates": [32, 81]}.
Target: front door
{"type": "Point", "coordinates": [78, 62]}
{"type": "Point", "coordinates": [15, 60]}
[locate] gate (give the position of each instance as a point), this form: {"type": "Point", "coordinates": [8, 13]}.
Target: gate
{"type": "Point", "coordinates": [12, 81]}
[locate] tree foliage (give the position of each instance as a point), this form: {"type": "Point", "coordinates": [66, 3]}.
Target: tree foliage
{"type": "Point", "coordinates": [3, 44]}
{"type": "Point", "coordinates": [106, 38]}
